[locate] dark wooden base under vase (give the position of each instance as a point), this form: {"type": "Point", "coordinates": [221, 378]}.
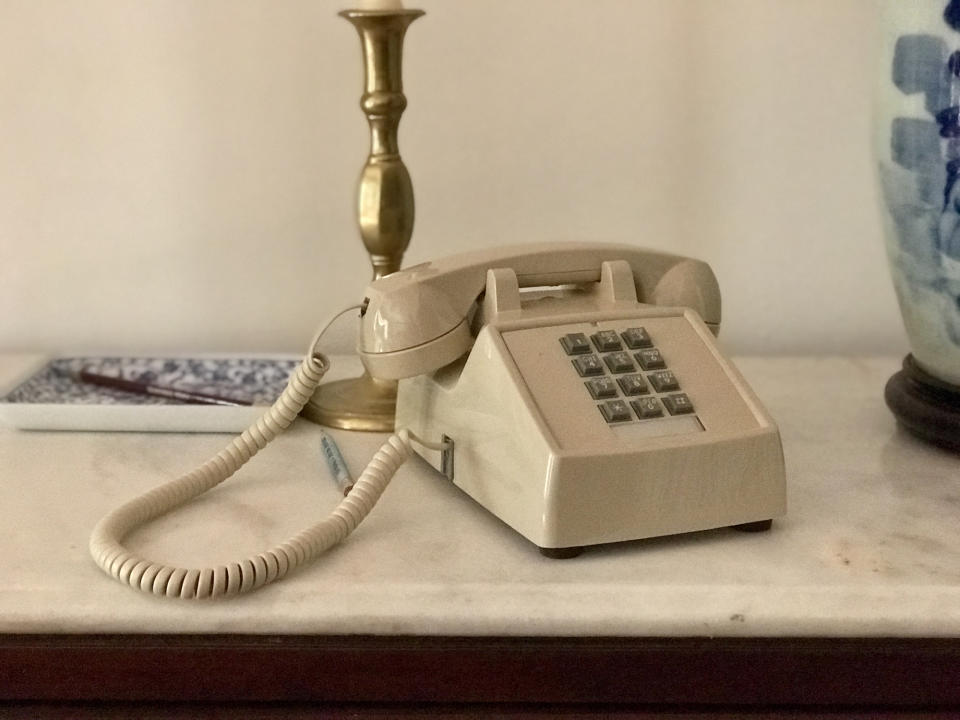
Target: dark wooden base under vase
{"type": "Point", "coordinates": [925, 406]}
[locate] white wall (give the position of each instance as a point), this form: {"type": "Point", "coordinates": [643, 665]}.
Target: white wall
{"type": "Point", "coordinates": [178, 175]}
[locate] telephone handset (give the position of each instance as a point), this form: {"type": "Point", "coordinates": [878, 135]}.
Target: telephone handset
{"type": "Point", "coordinates": [576, 391]}
{"type": "Point", "coordinates": [418, 319]}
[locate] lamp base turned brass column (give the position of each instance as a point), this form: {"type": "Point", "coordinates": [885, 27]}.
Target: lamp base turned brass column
{"type": "Point", "coordinates": [364, 403]}
{"type": "Point", "coordinates": [385, 209]}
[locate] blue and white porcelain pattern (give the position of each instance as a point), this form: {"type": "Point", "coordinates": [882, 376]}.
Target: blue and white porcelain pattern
{"type": "Point", "coordinates": [918, 150]}
{"type": "Point", "coordinates": [259, 380]}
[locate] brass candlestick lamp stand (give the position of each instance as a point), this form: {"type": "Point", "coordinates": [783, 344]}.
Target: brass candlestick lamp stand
{"type": "Point", "coordinates": [385, 209]}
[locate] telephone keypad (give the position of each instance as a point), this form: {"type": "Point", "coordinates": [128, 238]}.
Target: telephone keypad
{"type": "Point", "coordinates": [575, 344]}
{"type": "Point", "coordinates": [588, 365]}
{"type": "Point", "coordinates": [636, 338]}
{"type": "Point", "coordinates": [633, 385]}
{"type": "Point", "coordinates": [678, 404]}
{"type": "Point", "coordinates": [601, 388]}
{"type": "Point", "coordinates": [635, 393]}
{"type": "Point", "coordinates": [607, 341]}
{"type": "Point", "coordinates": [619, 362]}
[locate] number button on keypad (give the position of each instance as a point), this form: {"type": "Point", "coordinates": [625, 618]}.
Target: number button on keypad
{"type": "Point", "coordinates": [588, 365]}
{"type": "Point", "coordinates": [636, 338]}
{"type": "Point", "coordinates": [601, 388]}
{"type": "Point", "coordinates": [619, 362]}
{"type": "Point", "coordinates": [663, 381]}
{"type": "Point", "coordinates": [647, 408]}
{"type": "Point", "coordinates": [607, 341]}
{"type": "Point", "coordinates": [633, 385]}
{"type": "Point", "coordinates": [575, 344]}
{"type": "Point", "coordinates": [650, 359]}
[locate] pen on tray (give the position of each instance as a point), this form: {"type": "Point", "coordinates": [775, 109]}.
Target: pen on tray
{"type": "Point", "coordinates": [146, 388]}
{"type": "Point", "coordinates": [336, 463]}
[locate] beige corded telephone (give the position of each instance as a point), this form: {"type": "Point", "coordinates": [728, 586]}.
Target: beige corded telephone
{"type": "Point", "coordinates": [594, 410]}
{"type": "Point", "coordinates": [574, 390]}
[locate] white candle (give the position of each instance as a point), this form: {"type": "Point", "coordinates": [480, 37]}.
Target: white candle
{"type": "Point", "coordinates": [381, 5]}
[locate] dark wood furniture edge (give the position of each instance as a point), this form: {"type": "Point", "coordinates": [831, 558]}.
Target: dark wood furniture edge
{"type": "Point", "coordinates": [921, 673]}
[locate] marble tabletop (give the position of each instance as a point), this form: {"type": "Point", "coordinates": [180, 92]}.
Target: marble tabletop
{"type": "Point", "coordinates": [869, 546]}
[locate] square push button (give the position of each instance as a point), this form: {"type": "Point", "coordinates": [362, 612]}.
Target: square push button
{"type": "Point", "coordinates": [633, 385]}
{"type": "Point", "coordinates": [575, 344]}
{"type": "Point", "coordinates": [615, 411]}
{"type": "Point", "coordinates": [678, 404]}
{"type": "Point", "coordinates": [648, 407]}
{"type": "Point", "coordinates": [588, 365]}
{"type": "Point", "coordinates": [650, 359]}
{"type": "Point", "coordinates": [601, 388]}
{"type": "Point", "coordinates": [607, 341]}
{"type": "Point", "coordinates": [619, 362]}
{"type": "Point", "coordinates": [663, 381]}
{"type": "Point", "coordinates": [636, 338]}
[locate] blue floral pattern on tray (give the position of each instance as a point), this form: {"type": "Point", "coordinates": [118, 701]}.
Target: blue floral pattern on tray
{"type": "Point", "coordinates": [257, 380]}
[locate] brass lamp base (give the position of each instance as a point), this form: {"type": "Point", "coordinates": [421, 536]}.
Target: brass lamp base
{"type": "Point", "coordinates": [384, 208]}
{"type": "Point", "coordinates": [364, 403]}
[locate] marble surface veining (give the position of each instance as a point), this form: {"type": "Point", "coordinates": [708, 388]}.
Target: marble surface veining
{"type": "Point", "coordinates": [869, 545]}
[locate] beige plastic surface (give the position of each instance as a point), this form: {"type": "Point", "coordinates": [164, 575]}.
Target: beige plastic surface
{"type": "Point", "coordinates": [413, 319]}
{"type": "Point", "coordinates": [532, 447]}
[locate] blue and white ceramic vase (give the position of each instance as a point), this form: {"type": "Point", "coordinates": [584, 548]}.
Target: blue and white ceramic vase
{"type": "Point", "coordinates": [917, 117]}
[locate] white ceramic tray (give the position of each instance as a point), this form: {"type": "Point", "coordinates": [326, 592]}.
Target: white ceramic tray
{"type": "Point", "coordinates": [49, 397]}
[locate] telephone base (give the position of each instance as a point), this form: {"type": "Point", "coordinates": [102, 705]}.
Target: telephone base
{"type": "Point", "coordinates": [752, 527]}
{"type": "Point", "coordinates": [364, 403]}
{"type": "Point", "coordinates": [533, 444]}
{"type": "Point", "coordinates": [564, 553]}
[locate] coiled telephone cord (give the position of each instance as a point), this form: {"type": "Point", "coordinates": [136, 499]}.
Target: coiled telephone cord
{"type": "Point", "coordinates": [106, 541]}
